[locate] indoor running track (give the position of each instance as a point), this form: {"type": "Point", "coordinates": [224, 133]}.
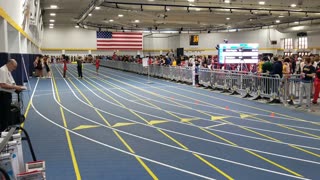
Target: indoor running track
{"type": "Point", "coordinates": [118, 125]}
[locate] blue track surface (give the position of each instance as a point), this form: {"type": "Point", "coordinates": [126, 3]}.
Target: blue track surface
{"type": "Point", "coordinates": [117, 126]}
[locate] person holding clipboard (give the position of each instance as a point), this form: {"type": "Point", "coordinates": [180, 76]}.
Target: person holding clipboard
{"type": "Point", "coordinates": [7, 87]}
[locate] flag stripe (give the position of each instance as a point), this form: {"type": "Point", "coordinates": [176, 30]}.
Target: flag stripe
{"type": "Point", "coordinates": [119, 40]}
{"type": "Point", "coordinates": [116, 48]}
{"type": "Point", "coordinates": [129, 40]}
{"type": "Point", "coordinates": [119, 45]}
{"type": "Point", "coordinates": [130, 33]}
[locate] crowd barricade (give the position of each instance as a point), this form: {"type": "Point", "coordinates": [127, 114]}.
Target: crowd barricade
{"type": "Point", "coordinates": [186, 75]}
{"type": "Point", "coordinates": [257, 85]}
{"type": "Point", "coordinates": [205, 77]}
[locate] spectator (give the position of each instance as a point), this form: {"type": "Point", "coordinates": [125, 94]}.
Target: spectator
{"type": "Point", "coordinates": [277, 67]}
{"type": "Point", "coordinates": [307, 73]}
{"type": "Point", "coordinates": [79, 66]}
{"type": "Point", "coordinates": [7, 87]}
{"type": "Point", "coordinates": [266, 66]}
{"type": "Point", "coordinates": [196, 70]}
{"type": "Point", "coordinates": [316, 85]}
{"type": "Point", "coordinates": [46, 65]}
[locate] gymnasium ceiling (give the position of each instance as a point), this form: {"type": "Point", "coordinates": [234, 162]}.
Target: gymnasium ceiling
{"type": "Point", "coordinates": [177, 15]}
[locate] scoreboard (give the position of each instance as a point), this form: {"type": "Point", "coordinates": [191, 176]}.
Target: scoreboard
{"type": "Point", "coordinates": [238, 53]}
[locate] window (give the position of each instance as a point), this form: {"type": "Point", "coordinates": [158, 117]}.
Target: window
{"type": "Point", "coordinates": [303, 43]}
{"type": "Point", "coordinates": [288, 43]}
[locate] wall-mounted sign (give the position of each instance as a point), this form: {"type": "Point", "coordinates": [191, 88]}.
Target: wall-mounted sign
{"type": "Point", "coordinates": [194, 40]}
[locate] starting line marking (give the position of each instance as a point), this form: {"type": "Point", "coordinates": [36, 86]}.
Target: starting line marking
{"type": "Point", "coordinates": [216, 125]}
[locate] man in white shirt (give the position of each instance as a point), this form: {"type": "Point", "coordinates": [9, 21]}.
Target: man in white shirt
{"type": "Point", "coordinates": [7, 87]}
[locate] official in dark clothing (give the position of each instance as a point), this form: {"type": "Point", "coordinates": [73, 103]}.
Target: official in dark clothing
{"type": "Point", "coordinates": [79, 67]}
{"type": "Point", "coordinates": [7, 87]}
{"type": "Point", "coordinates": [276, 67]}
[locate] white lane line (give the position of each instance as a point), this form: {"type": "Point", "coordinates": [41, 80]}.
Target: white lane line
{"type": "Point", "coordinates": [147, 159]}
{"type": "Point", "coordinates": [216, 125]}
{"type": "Point", "coordinates": [244, 112]}
{"type": "Point", "coordinates": [301, 136]}
{"type": "Point", "coordinates": [186, 135]}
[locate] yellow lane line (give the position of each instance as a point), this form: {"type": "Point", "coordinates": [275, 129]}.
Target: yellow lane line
{"type": "Point", "coordinates": [253, 107]}
{"type": "Point", "coordinates": [302, 132]}
{"type": "Point", "coordinates": [255, 154]}
{"type": "Point", "coordinates": [263, 158]}
{"type": "Point", "coordinates": [214, 167]}
{"type": "Point", "coordinates": [164, 133]}
{"type": "Point", "coordinates": [118, 135]}
{"type": "Point", "coordinates": [271, 162]}
{"type": "Point", "coordinates": [247, 129]}
{"type": "Point", "coordinates": [73, 156]}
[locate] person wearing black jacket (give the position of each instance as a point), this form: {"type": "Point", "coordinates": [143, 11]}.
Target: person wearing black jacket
{"type": "Point", "coordinates": [79, 66]}
{"type": "Point", "coordinates": [276, 70]}
{"type": "Point", "coordinates": [276, 67]}
{"type": "Point", "coordinates": [307, 74]}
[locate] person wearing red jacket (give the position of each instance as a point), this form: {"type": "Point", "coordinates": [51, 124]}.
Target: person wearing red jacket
{"type": "Point", "coordinates": [316, 85]}
{"type": "Point", "coordinates": [65, 68]}
{"type": "Point", "coordinates": [97, 66]}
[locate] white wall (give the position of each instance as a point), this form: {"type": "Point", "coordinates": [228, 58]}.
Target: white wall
{"type": "Point", "coordinates": [3, 36]}
{"type": "Point", "coordinates": [155, 44]}
{"type": "Point", "coordinates": [61, 37]}
{"type": "Point", "coordinates": [14, 8]}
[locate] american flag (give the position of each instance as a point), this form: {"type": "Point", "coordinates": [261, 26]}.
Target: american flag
{"type": "Point", "coordinates": [119, 40]}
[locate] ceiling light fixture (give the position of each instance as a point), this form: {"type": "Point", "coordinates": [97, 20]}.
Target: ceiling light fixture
{"type": "Point", "coordinates": [296, 22]}
{"type": "Point", "coordinates": [293, 5]}
{"type": "Point", "coordinates": [262, 2]}
{"type": "Point", "coordinates": [111, 20]}
{"type": "Point", "coordinates": [280, 16]}
{"type": "Point", "coordinates": [51, 20]}
{"type": "Point", "coordinates": [120, 15]}
{"type": "Point", "coordinates": [136, 21]}
{"type": "Point", "coordinates": [97, 8]}
{"type": "Point", "coordinates": [190, 0]}
{"type": "Point", "coordinates": [53, 6]}
{"type": "Point", "coordinates": [51, 24]}
{"type": "Point", "coordinates": [277, 21]}
{"type": "Point", "coordinates": [51, 27]}
{"type": "Point", "coordinates": [52, 14]}
{"type": "Point", "coordinates": [227, 18]}
{"type": "Point", "coordinates": [90, 14]}
{"type": "Point", "coordinates": [226, 1]}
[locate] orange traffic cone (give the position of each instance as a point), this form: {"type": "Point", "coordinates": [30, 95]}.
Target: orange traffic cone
{"type": "Point", "coordinates": [272, 114]}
